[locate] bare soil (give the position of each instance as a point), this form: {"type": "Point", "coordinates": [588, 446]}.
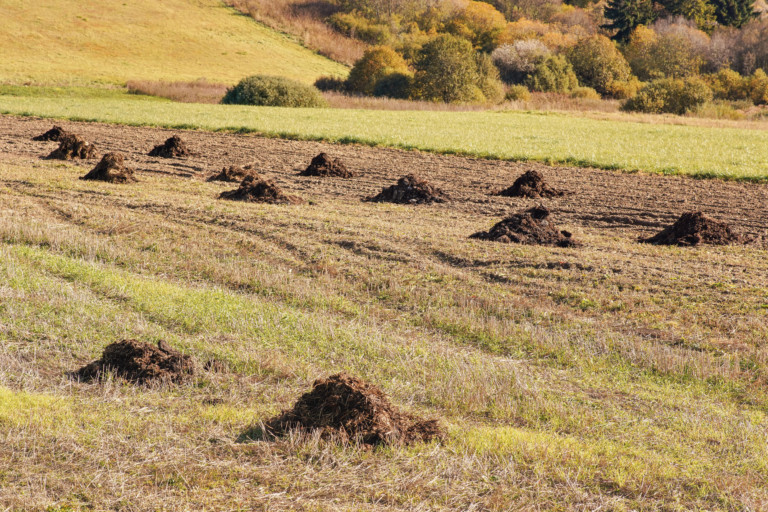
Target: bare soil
{"type": "Point", "coordinates": [235, 173]}
{"type": "Point", "coordinates": [325, 166]}
{"type": "Point", "coordinates": [72, 147]}
{"type": "Point", "coordinates": [346, 407]}
{"type": "Point", "coordinates": [173, 147]}
{"type": "Point", "coordinates": [140, 362]}
{"type": "Point", "coordinates": [694, 228]}
{"type": "Point", "coordinates": [54, 134]}
{"type": "Point", "coordinates": [532, 227]}
{"type": "Point", "coordinates": [410, 190]}
{"type": "Point", "coordinates": [531, 184]}
{"type": "Point", "coordinates": [627, 205]}
{"type": "Point", "coordinates": [111, 169]}
{"type": "Point", "coordinates": [255, 189]}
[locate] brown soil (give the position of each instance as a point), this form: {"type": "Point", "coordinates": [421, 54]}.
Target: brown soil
{"type": "Point", "coordinates": [531, 227]}
{"type": "Point", "coordinates": [111, 168]}
{"type": "Point", "coordinates": [235, 173]}
{"type": "Point", "coordinates": [324, 165]}
{"type": "Point", "coordinates": [260, 190]}
{"type": "Point", "coordinates": [171, 148]}
{"type": "Point", "coordinates": [410, 190]}
{"type": "Point", "coordinates": [530, 184]}
{"type": "Point", "coordinates": [343, 406]}
{"type": "Point", "coordinates": [693, 228]}
{"type": "Point", "coordinates": [72, 147]}
{"type": "Point", "coordinates": [140, 362]}
{"type": "Point", "coordinates": [54, 134]}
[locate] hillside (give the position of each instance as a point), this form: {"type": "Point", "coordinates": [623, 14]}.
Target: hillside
{"type": "Point", "coordinates": [66, 41]}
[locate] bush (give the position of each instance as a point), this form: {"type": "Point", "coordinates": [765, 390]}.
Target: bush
{"type": "Point", "coordinates": [598, 63]}
{"type": "Point", "coordinates": [553, 74]}
{"type": "Point", "coordinates": [757, 87]}
{"type": "Point", "coordinates": [675, 52]}
{"type": "Point", "coordinates": [480, 23]}
{"type": "Point", "coordinates": [518, 93]}
{"type": "Point", "coordinates": [518, 60]}
{"type": "Point", "coordinates": [394, 85]}
{"type": "Point", "coordinates": [376, 62]}
{"type": "Point", "coordinates": [727, 84]}
{"type": "Point", "coordinates": [331, 83]}
{"type": "Point", "coordinates": [446, 70]}
{"type": "Point", "coordinates": [355, 25]}
{"type": "Point", "coordinates": [624, 90]}
{"type": "Point", "coordinates": [273, 91]}
{"type": "Point", "coordinates": [585, 93]}
{"type": "Point", "coordinates": [670, 95]}
{"type": "Point", "coordinates": [488, 78]}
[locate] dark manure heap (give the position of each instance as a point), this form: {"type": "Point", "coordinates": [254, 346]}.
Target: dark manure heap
{"type": "Point", "coordinates": [140, 362]}
{"type": "Point", "coordinates": [256, 189]}
{"type": "Point", "coordinates": [325, 166]}
{"type": "Point", "coordinates": [694, 228]}
{"type": "Point", "coordinates": [532, 185]}
{"type": "Point", "coordinates": [171, 148]}
{"type": "Point", "coordinates": [54, 134]}
{"type": "Point", "coordinates": [410, 190]}
{"type": "Point", "coordinates": [112, 169]}
{"type": "Point", "coordinates": [72, 147]}
{"type": "Point", "coordinates": [235, 173]}
{"type": "Point", "coordinates": [531, 227]}
{"type": "Point", "coordinates": [347, 408]}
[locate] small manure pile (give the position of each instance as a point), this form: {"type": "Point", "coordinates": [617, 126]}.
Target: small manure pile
{"type": "Point", "coordinates": [410, 190]}
{"type": "Point", "coordinates": [531, 227]}
{"type": "Point", "coordinates": [171, 148]}
{"type": "Point", "coordinates": [72, 147]}
{"type": "Point", "coordinates": [532, 185]}
{"type": "Point", "coordinates": [347, 408]}
{"type": "Point", "coordinates": [324, 165]}
{"type": "Point", "coordinates": [54, 134]}
{"type": "Point", "coordinates": [260, 190]}
{"type": "Point", "coordinates": [693, 228]}
{"type": "Point", "coordinates": [235, 173]}
{"type": "Point", "coordinates": [140, 362]}
{"type": "Point", "coordinates": [112, 169]}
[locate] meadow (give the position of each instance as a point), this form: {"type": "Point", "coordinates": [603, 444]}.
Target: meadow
{"type": "Point", "coordinates": [699, 151]}
{"type": "Point", "coordinates": [111, 42]}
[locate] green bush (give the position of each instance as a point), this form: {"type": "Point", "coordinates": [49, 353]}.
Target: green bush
{"type": "Point", "coordinates": [598, 64]}
{"type": "Point", "coordinates": [553, 74]}
{"type": "Point", "coordinates": [331, 83]}
{"type": "Point", "coordinates": [394, 85]}
{"type": "Point", "coordinates": [273, 91]}
{"type": "Point", "coordinates": [518, 93]}
{"type": "Point", "coordinates": [355, 25]}
{"type": "Point", "coordinates": [670, 95]}
{"type": "Point", "coordinates": [757, 87]}
{"type": "Point", "coordinates": [488, 78]}
{"type": "Point", "coordinates": [446, 70]}
{"type": "Point", "coordinates": [585, 93]}
{"type": "Point", "coordinates": [376, 62]}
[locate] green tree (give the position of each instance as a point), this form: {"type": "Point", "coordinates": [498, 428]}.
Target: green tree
{"type": "Point", "coordinates": [553, 74]}
{"type": "Point", "coordinates": [376, 62]}
{"type": "Point", "coordinates": [598, 63]}
{"type": "Point", "coordinates": [446, 70]}
{"type": "Point", "coordinates": [734, 13]}
{"type": "Point", "coordinates": [626, 15]}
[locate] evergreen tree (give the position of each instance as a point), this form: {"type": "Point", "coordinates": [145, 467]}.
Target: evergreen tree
{"type": "Point", "coordinates": [734, 13]}
{"type": "Point", "coordinates": [626, 15]}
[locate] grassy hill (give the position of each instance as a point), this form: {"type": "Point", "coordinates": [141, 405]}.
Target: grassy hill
{"type": "Point", "coordinates": [66, 41]}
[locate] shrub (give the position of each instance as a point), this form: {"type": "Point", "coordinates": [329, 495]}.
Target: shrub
{"type": "Point", "coordinates": [727, 84]}
{"type": "Point", "coordinates": [355, 25]}
{"type": "Point", "coordinates": [518, 93]}
{"type": "Point", "coordinates": [518, 60]}
{"type": "Point", "coordinates": [757, 87]}
{"type": "Point", "coordinates": [675, 51]}
{"type": "Point", "coordinates": [480, 23]}
{"type": "Point", "coordinates": [394, 85]}
{"type": "Point", "coordinates": [488, 78]}
{"type": "Point", "coordinates": [273, 91]}
{"type": "Point", "coordinates": [624, 90]}
{"type": "Point", "coordinates": [331, 83]}
{"type": "Point", "coordinates": [553, 74]}
{"type": "Point", "coordinates": [670, 95]}
{"type": "Point", "coordinates": [376, 62]}
{"type": "Point", "coordinates": [446, 70]}
{"type": "Point", "coordinates": [585, 93]}
{"type": "Point", "coordinates": [598, 63]}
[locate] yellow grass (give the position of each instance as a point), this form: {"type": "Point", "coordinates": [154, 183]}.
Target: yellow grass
{"type": "Point", "coordinates": [111, 41]}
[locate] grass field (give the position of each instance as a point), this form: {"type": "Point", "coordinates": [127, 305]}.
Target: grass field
{"type": "Point", "coordinates": [71, 42]}
{"type": "Point", "coordinates": [550, 405]}
{"type": "Point", "coordinates": [700, 151]}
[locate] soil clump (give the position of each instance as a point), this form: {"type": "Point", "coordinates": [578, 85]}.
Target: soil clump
{"type": "Point", "coordinates": [530, 227]}
{"type": "Point", "coordinates": [694, 228]}
{"type": "Point", "coordinates": [260, 190]}
{"type": "Point", "coordinates": [140, 362]}
{"type": "Point", "coordinates": [72, 147]}
{"type": "Point", "coordinates": [234, 173]}
{"type": "Point", "coordinates": [410, 190]}
{"type": "Point", "coordinates": [325, 166]}
{"type": "Point", "coordinates": [531, 185]}
{"type": "Point", "coordinates": [54, 134]}
{"type": "Point", "coordinates": [171, 148]}
{"type": "Point", "coordinates": [348, 408]}
{"type": "Point", "coordinates": [112, 169]}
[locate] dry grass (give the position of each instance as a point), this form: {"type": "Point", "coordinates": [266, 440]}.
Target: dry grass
{"type": "Point", "coordinates": [555, 401]}
{"type": "Point", "coordinates": [304, 19]}
{"type": "Point", "coordinates": [199, 91]}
